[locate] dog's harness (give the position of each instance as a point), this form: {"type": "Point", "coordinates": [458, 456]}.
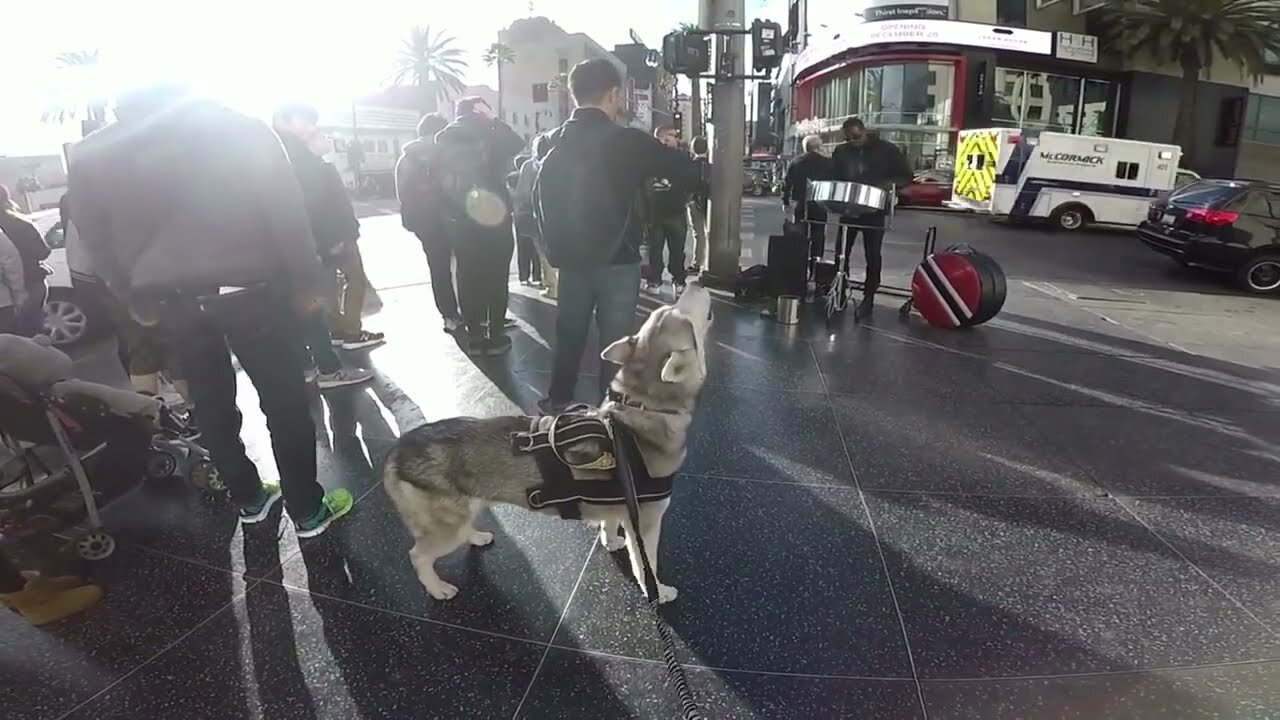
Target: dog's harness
{"type": "Point", "coordinates": [581, 431]}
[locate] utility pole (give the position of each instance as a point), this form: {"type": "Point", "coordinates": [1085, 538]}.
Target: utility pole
{"type": "Point", "coordinates": [729, 116]}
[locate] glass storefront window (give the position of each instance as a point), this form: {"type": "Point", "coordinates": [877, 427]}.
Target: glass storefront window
{"type": "Point", "coordinates": [1008, 107]}
{"type": "Point", "coordinates": [909, 94]}
{"type": "Point", "coordinates": [1262, 120]}
{"type": "Point", "coordinates": [1095, 108]}
{"type": "Point", "coordinates": [1051, 102]}
{"type": "Point", "coordinates": [1045, 101]}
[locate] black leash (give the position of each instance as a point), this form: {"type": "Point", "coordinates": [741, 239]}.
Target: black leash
{"type": "Point", "coordinates": [626, 452]}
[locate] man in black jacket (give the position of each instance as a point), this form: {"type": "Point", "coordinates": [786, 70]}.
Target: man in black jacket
{"type": "Point", "coordinates": [812, 165]}
{"type": "Point", "coordinates": [468, 171]}
{"type": "Point", "coordinates": [588, 186]}
{"type": "Point", "coordinates": [335, 229]}
{"type": "Point", "coordinates": [867, 159]}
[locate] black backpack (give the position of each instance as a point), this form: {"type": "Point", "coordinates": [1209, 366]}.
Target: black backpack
{"type": "Point", "coordinates": [460, 167]}
{"type": "Point", "coordinates": [580, 221]}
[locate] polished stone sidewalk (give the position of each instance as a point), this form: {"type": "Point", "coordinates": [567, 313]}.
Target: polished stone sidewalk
{"type": "Point", "coordinates": [1038, 519]}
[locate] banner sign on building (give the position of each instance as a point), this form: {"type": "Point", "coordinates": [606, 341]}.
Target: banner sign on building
{"type": "Point", "coordinates": [933, 32]}
{"type": "Point", "coordinates": [878, 10]}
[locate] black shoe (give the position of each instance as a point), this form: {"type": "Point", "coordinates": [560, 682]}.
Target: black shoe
{"type": "Point", "coordinates": [474, 344]}
{"type": "Point", "coordinates": [864, 308]}
{"type": "Point", "coordinates": [547, 406]}
{"type": "Point", "coordinates": [497, 345]}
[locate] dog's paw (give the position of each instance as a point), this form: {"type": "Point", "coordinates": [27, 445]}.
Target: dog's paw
{"type": "Point", "coordinates": [440, 589]}
{"type": "Point", "coordinates": [666, 593]}
{"type": "Point", "coordinates": [480, 538]}
{"type": "Point", "coordinates": [610, 539]}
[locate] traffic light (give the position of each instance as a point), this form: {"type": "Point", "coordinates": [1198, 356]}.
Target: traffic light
{"type": "Point", "coordinates": [766, 45]}
{"type": "Point", "coordinates": [677, 119]}
{"type": "Point", "coordinates": [685, 54]}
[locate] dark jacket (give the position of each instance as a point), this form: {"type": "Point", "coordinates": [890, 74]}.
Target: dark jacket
{"type": "Point", "coordinates": [876, 162]}
{"type": "Point", "coordinates": [26, 238]}
{"type": "Point", "coordinates": [807, 167]}
{"type": "Point", "coordinates": [333, 219]}
{"type": "Point", "coordinates": [413, 189]}
{"type": "Point", "coordinates": [501, 144]}
{"type": "Point", "coordinates": [664, 201]}
{"type": "Point", "coordinates": [194, 195]}
{"type": "Point", "coordinates": [630, 159]}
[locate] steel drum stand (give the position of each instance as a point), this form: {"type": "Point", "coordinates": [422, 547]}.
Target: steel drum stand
{"type": "Point", "coordinates": [837, 297]}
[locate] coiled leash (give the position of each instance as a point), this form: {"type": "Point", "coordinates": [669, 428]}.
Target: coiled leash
{"type": "Point", "coordinates": [626, 451]}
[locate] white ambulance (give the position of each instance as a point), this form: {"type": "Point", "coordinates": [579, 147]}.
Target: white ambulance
{"type": "Point", "coordinates": [1069, 180]}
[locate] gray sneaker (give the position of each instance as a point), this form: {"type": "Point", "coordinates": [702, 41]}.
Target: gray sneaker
{"type": "Point", "coordinates": [343, 378]}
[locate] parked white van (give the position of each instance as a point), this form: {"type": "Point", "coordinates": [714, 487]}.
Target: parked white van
{"type": "Point", "coordinates": [1071, 181]}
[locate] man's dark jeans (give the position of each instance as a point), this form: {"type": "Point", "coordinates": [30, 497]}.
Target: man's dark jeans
{"type": "Point", "coordinates": [872, 243]}
{"type": "Point", "coordinates": [669, 234]}
{"type": "Point", "coordinates": [484, 263]}
{"type": "Point", "coordinates": [437, 247]}
{"type": "Point", "coordinates": [263, 330]}
{"type": "Point", "coordinates": [319, 342]}
{"type": "Point", "coordinates": [610, 294]}
{"type": "Point", "coordinates": [527, 260]}
{"type": "Point", "coordinates": [814, 218]}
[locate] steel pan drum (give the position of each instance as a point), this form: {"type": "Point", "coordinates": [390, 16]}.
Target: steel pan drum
{"type": "Point", "coordinates": [848, 198]}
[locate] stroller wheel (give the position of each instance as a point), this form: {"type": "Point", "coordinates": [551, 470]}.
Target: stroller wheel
{"type": "Point", "coordinates": [204, 476]}
{"type": "Point", "coordinates": [161, 465]}
{"type": "Point", "coordinates": [96, 545]}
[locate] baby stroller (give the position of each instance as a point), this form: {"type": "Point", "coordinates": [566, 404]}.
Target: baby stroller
{"type": "Point", "coordinates": [94, 438]}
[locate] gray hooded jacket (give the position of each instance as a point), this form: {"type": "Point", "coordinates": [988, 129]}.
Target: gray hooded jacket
{"type": "Point", "coordinates": [194, 195]}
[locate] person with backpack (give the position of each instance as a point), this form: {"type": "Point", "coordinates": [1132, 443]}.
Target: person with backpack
{"type": "Point", "coordinates": [528, 263]}
{"type": "Point", "coordinates": [467, 173]}
{"type": "Point", "coordinates": [591, 175]}
{"type": "Point", "coordinates": [420, 215]}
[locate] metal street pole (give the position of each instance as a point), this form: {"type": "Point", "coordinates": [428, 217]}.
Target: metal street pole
{"type": "Point", "coordinates": [729, 116]}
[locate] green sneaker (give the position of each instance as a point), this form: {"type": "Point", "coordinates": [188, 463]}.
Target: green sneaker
{"type": "Point", "coordinates": [334, 505]}
{"type": "Point", "coordinates": [258, 510]}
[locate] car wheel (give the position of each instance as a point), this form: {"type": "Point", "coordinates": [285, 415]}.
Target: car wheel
{"type": "Point", "coordinates": [66, 321]}
{"type": "Point", "coordinates": [1071, 217]}
{"type": "Point", "coordinates": [1260, 275]}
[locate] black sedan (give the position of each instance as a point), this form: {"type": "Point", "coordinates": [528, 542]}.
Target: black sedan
{"type": "Point", "coordinates": [1229, 226]}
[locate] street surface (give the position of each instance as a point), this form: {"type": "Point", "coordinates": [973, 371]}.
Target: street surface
{"type": "Point", "coordinates": [1070, 512]}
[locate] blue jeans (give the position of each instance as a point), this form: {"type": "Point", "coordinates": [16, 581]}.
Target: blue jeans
{"type": "Point", "coordinates": [610, 294]}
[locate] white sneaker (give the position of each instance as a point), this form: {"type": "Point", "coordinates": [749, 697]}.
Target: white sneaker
{"type": "Point", "coordinates": [343, 378]}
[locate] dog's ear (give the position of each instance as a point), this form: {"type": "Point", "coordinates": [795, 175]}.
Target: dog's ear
{"type": "Point", "coordinates": [621, 350]}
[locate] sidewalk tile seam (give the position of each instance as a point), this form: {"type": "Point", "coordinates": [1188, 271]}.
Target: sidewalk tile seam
{"type": "Point", "coordinates": [875, 536]}
{"type": "Point", "coordinates": [400, 614]}
{"type": "Point", "coordinates": [1274, 632]}
{"type": "Point", "coordinates": [179, 640]}
{"type": "Point", "coordinates": [564, 613]}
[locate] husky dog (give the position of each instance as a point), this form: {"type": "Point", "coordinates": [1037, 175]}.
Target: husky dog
{"type": "Point", "coordinates": [441, 474]}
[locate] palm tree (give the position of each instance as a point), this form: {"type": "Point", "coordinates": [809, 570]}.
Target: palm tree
{"type": "Point", "coordinates": [499, 55]}
{"type": "Point", "coordinates": [81, 90]}
{"type": "Point", "coordinates": [695, 91]}
{"type": "Point", "coordinates": [430, 60]}
{"type": "Point", "coordinates": [1189, 33]}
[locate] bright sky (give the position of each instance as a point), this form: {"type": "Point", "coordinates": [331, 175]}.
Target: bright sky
{"type": "Point", "coordinates": [253, 53]}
